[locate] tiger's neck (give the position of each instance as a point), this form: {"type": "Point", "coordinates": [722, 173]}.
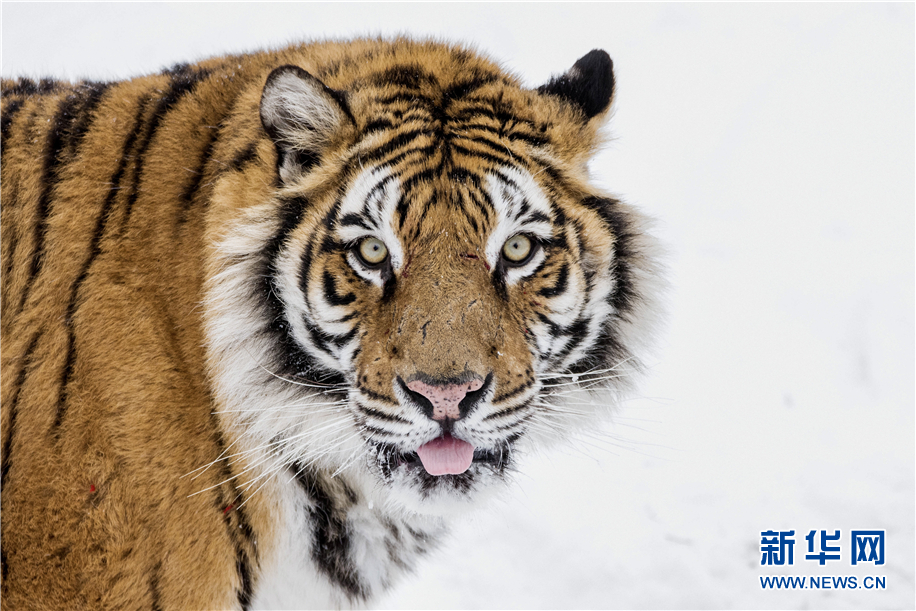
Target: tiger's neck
{"type": "Point", "coordinates": [332, 544]}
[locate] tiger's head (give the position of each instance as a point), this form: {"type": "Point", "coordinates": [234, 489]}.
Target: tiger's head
{"type": "Point", "coordinates": [415, 272]}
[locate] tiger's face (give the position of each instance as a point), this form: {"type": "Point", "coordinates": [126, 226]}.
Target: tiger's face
{"type": "Point", "coordinates": [438, 268]}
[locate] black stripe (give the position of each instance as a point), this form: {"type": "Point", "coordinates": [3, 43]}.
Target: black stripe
{"type": "Point", "coordinates": [499, 159]}
{"type": "Point", "coordinates": [27, 87]}
{"type": "Point", "coordinates": [354, 220]}
{"type": "Point", "coordinates": [378, 189]}
{"type": "Point", "coordinates": [411, 97]}
{"type": "Point", "coordinates": [500, 132]}
{"type": "Point", "coordinates": [624, 296]}
{"type": "Point", "coordinates": [482, 201]}
{"type": "Point", "coordinates": [237, 525]}
{"type": "Point", "coordinates": [537, 217]}
{"type": "Point", "coordinates": [459, 90]}
{"type": "Point", "coordinates": [401, 210]}
{"type": "Point", "coordinates": [14, 403]}
{"type": "Point", "coordinates": [476, 107]}
{"type": "Point", "coordinates": [305, 267]}
{"type": "Point", "coordinates": [419, 151]}
{"type": "Point", "coordinates": [242, 567]}
{"type": "Point", "coordinates": [95, 250]}
{"type": "Point", "coordinates": [395, 143]}
{"type": "Point", "coordinates": [378, 434]}
{"type": "Point", "coordinates": [22, 86]}
{"type": "Point", "coordinates": [410, 183]}
{"type": "Point", "coordinates": [349, 316]}
{"type": "Point", "coordinates": [426, 206]}
{"type": "Point", "coordinates": [576, 335]}
{"type": "Point", "coordinates": [187, 198]}
{"type": "Point", "coordinates": [496, 148]}
{"type": "Point", "coordinates": [328, 244]}
{"type": "Point", "coordinates": [413, 114]}
{"type": "Point", "coordinates": [509, 410]}
{"type": "Point", "coordinates": [10, 240]}
{"type": "Point", "coordinates": [331, 217]}
{"type": "Point", "coordinates": [291, 360]}
{"type": "Point", "coordinates": [512, 393]}
{"type": "Point", "coordinates": [578, 234]}
{"type": "Point", "coordinates": [330, 291]}
{"type": "Point", "coordinates": [376, 125]}
{"type": "Point", "coordinates": [524, 209]}
{"type": "Point", "coordinates": [557, 180]}
{"type": "Point", "coordinates": [465, 177]}
{"type": "Point", "coordinates": [560, 285]}
{"type": "Point", "coordinates": [404, 203]}
{"type": "Point", "coordinates": [47, 85]}
{"type": "Point", "coordinates": [182, 84]}
{"type": "Point", "coordinates": [93, 96]}
{"type": "Point", "coordinates": [377, 414]}
{"type": "Point", "coordinates": [249, 153]}
{"type": "Point", "coordinates": [490, 129]}
{"type": "Point", "coordinates": [607, 351]}
{"type": "Point", "coordinates": [6, 121]}
{"type": "Point", "coordinates": [531, 139]}
{"type": "Point", "coordinates": [177, 69]}
{"type": "Point", "coordinates": [554, 329]}
{"type": "Point", "coordinates": [49, 180]}
{"type": "Point", "coordinates": [331, 537]}
{"type": "Point", "coordinates": [323, 340]}
{"type": "Point", "coordinates": [155, 604]}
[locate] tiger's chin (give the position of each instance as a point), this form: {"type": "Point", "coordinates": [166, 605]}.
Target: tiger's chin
{"type": "Point", "coordinates": [409, 485]}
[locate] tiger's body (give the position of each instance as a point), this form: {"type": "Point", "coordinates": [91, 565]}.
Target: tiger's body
{"type": "Point", "coordinates": [269, 319]}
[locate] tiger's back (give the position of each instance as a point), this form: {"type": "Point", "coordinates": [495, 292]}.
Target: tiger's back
{"type": "Point", "coordinates": [119, 361]}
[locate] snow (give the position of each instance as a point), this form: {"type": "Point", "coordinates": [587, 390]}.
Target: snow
{"type": "Point", "coordinates": [775, 144]}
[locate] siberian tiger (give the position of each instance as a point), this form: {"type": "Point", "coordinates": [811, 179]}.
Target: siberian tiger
{"type": "Point", "coordinates": [269, 320]}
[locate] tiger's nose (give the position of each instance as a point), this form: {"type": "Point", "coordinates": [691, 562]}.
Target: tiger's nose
{"type": "Point", "coordinates": [445, 401]}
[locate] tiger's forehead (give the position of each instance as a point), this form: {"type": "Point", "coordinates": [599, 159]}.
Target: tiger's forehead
{"type": "Point", "coordinates": [479, 212]}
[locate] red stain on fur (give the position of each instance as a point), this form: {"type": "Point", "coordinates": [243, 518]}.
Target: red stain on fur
{"type": "Point", "coordinates": [472, 256]}
{"type": "Point", "coordinates": [91, 487]}
{"type": "Point", "coordinates": [228, 509]}
{"type": "Point", "coordinates": [404, 271]}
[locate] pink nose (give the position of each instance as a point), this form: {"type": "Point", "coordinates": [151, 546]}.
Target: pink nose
{"type": "Point", "coordinates": [445, 397]}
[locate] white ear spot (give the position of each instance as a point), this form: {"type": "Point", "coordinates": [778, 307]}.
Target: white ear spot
{"type": "Point", "coordinates": [302, 116]}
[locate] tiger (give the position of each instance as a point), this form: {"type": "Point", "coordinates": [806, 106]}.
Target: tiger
{"type": "Point", "coordinates": [272, 321]}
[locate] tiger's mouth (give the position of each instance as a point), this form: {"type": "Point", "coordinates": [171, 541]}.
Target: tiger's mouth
{"type": "Point", "coordinates": [497, 459]}
{"type": "Point", "coordinates": [393, 461]}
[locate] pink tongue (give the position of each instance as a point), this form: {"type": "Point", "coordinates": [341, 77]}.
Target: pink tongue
{"type": "Point", "coordinates": [446, 455]}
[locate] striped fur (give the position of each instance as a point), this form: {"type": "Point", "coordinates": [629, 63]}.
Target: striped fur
{"type": "Point", "coordinates": [205, 397]}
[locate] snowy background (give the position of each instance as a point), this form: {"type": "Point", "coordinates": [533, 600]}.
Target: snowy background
{"type": "Point", "coordinates": [775, 144]}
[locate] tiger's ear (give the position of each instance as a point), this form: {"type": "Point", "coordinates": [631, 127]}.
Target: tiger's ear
{"type": "Point", "coordinates": [302, 116]}
{"type": "Point", "coordinates": [589, 84]}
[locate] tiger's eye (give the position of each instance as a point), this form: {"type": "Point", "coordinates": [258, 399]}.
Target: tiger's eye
{"type": "Point", "coordinates": [517, 248]}
{"type": "Point", "coordinates": [373, 251]}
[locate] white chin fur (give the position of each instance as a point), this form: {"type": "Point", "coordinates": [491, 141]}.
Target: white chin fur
{"type": "Point", "coordinates": [405, 491]}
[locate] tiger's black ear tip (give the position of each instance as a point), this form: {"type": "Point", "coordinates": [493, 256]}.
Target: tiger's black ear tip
{"type": "Point", "coordinates": [597, 69]}
{"type": "Point", "coordinates": [589, 84]}
{"type": "Point", "coordinates": [287, 69]}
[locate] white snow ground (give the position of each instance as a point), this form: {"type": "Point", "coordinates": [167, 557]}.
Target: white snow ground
{"type": "Point", "coordinates": [775, 144]}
